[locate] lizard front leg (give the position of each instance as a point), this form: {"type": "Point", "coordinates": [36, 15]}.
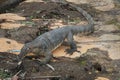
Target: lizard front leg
{"type": "Point", "coordinates": [73, 47]}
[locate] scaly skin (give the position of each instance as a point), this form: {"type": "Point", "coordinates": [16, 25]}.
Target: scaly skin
{"type": "Point", "coordinates": [49, 41]}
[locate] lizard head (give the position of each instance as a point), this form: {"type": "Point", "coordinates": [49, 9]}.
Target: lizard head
{"type": "Point", "coordinates": [25, 50]}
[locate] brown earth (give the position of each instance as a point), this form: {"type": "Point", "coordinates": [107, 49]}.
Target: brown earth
{"type": "Point", "coordinates": [93, 64]}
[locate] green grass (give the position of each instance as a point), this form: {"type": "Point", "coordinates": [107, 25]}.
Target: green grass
{"type": "Point", "coordinates": [82, 61]}
{"type": "Point", "coordinates": [75, 20]}
{"type": "Point", "coordinates": [4, 74]}
{"type": "Point", "coordinates": [28, 23]}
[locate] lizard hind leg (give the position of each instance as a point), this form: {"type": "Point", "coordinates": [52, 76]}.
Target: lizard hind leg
{"type": "Point", "coordinates": [73, 47]}
{"type": "Point", "coordinates": [46, 60]}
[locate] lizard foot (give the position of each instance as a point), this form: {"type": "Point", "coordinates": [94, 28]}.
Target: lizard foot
{"type": "Point", "coordinates": [38, 61]}
{"type": "Point", "coordinates": [71, 51]}
{"type": "Point", "coordinates": [44, 63]}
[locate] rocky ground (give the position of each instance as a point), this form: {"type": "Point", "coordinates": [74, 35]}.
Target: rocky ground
{"type": "Point", "coordinates": [34, 17]}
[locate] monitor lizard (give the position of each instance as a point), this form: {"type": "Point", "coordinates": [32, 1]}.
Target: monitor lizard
{"type": "Point", "coordinates": [49, 41]}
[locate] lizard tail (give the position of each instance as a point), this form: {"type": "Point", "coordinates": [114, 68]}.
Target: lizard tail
{"type": "Point", "coordinates": [84, 13]}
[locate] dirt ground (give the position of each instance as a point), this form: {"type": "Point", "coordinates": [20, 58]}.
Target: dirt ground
{"type": "Point", "coordinates": [95, 64]}
{"type": "Point", "coordinates": [32, 18]}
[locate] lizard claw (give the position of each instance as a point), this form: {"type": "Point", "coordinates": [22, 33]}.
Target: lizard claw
{"type": "Point", "coordinates": [71, 51]}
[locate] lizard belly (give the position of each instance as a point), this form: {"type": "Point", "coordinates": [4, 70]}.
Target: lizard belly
{"type": "Point", "coordinates": [57, 46]}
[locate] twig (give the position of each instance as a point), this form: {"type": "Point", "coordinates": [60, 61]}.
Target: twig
{"type": "Point", "coordinates": [51, 67]}
{"type": "Point", "coordinates": [18, 73]}
{"type": "Point", "coordinates": [43, 77]}
{"type": "Point", "coordinates": [22, 76]}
